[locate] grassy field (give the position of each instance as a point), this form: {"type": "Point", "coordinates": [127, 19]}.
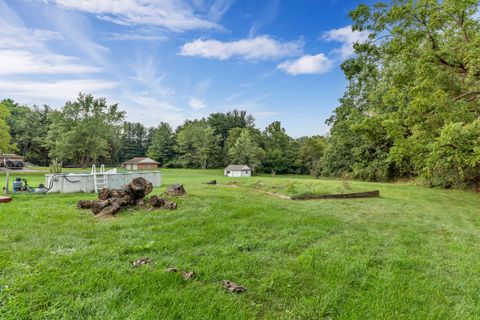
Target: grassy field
{"type": "Point", "coordinates": [413, 253]}
{"type": "Point", "coordinates": [299, 187]}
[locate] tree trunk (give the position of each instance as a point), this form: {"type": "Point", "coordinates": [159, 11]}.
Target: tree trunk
{"type": "Point", "coordinates": [110, 202]}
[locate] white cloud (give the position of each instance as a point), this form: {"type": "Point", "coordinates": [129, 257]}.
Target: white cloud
{"type": "Point", "coordinates": [197, 104]}
{"type": "Point", "coordinates": [244, 101]}
{"type": "Point", "coordinates": [36, 73]}
{"type": "Point", "coordinates": [59, 91]}
{"type": "Point", "coordinates": [347, 37]}
{"type": "Point", "coordinates": [147, 109]}
{"type": "Point", "coordinates": [219, 8]}
{"type": "Point", "coordinates": [307, 64]}
{"type": "Point", "coordinates": [268, 15]}
{"type": "Point", "coordinates": [39, 72]}
{"type": "Point", "coordinates": [234, 96]}
{"type": "Point", "coordinates": [203, 85]}
{"type": "Point", "coordinates": [24, 62]}
{"type": "Point", "coordinates": [76, 31]}
{"type": "Point", "coordinates": [145, 73]}
{"type": "Point", "coordinates": [137, 36]}
{"type": "Point", "coordinates": [174, 15]}
{"type": "Point", "coordinates": [259, 48]}
{"type": "Point", "coordinates": [12, 37]}
{"type": "Point", "coordinates": [25, 50]}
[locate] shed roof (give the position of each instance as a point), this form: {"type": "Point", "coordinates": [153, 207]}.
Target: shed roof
{"type": "Point", "coordinates": [10, 155]}
{"type": "Point", "coordinates": [237, 167]}
{"type": "Point", "coordinates": [141, 160]}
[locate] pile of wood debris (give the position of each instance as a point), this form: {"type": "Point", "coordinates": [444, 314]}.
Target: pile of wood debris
{"type": "Point", "coordinates": [111, 201]}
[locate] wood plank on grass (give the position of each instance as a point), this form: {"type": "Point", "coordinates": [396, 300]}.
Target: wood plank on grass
{"type": "Point", "coordinates": [356, 195]}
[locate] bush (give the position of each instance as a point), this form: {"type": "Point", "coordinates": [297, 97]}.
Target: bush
{"type": "Point", "coordinates": [346, 178]}
{"type": "Point", "coordinates": [55, 166]}
{"type": "Point", "coordinates": [455, 157]}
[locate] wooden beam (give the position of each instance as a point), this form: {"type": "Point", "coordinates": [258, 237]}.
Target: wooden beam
{"type": "Point", "coordinates": [370, 194]}
{"type": "Point", "coordinates": [7, 182]}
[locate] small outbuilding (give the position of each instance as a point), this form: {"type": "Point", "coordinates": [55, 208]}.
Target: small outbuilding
{"type": "Point", "coordinates": [237, 170]}
{"type": "Point", "coordinates": [11, 160]}
{"type": "Point", "coordinates": [140, 163]}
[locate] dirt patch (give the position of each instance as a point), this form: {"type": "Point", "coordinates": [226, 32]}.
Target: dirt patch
{"type": "Point", "coordinates": [186, 275]}
{"type": "Point", "coordinates": [142, 261]}
{"type": "Point", "coordinates": [233, 287]}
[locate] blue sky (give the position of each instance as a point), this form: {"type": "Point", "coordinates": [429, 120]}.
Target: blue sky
{"type": "Point", "coordinates": [167, 60]}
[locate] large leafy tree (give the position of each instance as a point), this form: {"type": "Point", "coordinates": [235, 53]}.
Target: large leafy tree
{"type": "Point", "coordinates": [310, 154]}
{"type": "Point", "coordinates": [28, 129]}
{"type": "Point", "coordinates": [246, 151]}
{"type": "Point", "coordinates": [84, 129]}
{"type": "Point", "coordinates": [280, 149]}
{"type": "Point", "coordinates": [222, 123]}
{"type": "Point", "coordinates": [133, 141]}
{"type": "Point", "coordinates": [161, 147]}
{"type": "Point", "coordinates": [418, 74]}
{"type": "Point", "coordinates": [197, 144]}
{"type": "Point", "coordinates": [4, 129]}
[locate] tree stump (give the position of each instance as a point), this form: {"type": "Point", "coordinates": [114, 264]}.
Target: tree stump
{"type": "Point", "coordinates": [175, 190]}
{"type": "Point", "coordinates": [110, 202]}
{"type": "Point", "coordinates": [156, 202]}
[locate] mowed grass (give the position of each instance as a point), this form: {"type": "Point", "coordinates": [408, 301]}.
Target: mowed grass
{"type": "Point", "coordinates": [300, 187]}
{"type": "Point", "coordinates": [413, 253]}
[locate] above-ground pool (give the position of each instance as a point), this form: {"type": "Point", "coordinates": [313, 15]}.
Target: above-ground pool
{"type": "Point", "coordinates": [84, 182]}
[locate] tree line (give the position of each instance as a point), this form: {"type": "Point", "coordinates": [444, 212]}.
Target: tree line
{"type": "Point", "coordinates": [411, 110]}
{"type": "Point", "coordinates": [89, 130]}
{"type": "Point", "coordinates": [412, 105]}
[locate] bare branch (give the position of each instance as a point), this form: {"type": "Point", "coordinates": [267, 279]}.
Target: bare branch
{"type": "Point", "coordinates": [475, 95]}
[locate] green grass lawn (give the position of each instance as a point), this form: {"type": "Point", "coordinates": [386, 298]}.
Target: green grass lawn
{"type": "Point", "coordinates": [298, 187]}
{"type": "Point", "coordinates": [413, 253]}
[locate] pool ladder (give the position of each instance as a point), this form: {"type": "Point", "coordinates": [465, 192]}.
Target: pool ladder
{"type": "Point", "coordinates": [99, 178]}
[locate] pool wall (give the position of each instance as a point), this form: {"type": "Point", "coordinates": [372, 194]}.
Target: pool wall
{"type": "Point", "coordinates": [83, 182]}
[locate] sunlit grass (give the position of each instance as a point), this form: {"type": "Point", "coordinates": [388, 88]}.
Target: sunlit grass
{"type": "Point", "coordinates": [413, 253]}
{"type": "Point", "coordinates": [298, 187]}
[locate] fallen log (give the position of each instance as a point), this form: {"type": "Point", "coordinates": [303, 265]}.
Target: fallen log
{"type": "Point", "coordinates": [110, 202]}
{"type": "Point", "coordinates": [104, 194]}
{"type": "Point", "coordinates": [170, 206]}
{"type": "Point", "coordinates": [140, 187]}
{"type": "Point", "coordinates": [110, 210]}
{"type": "Point", "coordinates": [85, 204]}
{"type": "Point", "coordinates": [98, 205]}
{"type": "Point", "coordinates": [157, 202]}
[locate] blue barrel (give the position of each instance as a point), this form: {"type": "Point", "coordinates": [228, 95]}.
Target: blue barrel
{"type": "Point", "coordinates": [17, 185]}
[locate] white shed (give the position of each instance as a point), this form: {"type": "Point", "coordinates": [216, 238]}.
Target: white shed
{"type": "Point", "coordinates": [237, 170]}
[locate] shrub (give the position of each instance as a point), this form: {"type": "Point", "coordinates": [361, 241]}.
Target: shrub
{"type": "Point", "coordinates": [55, 166]}
{"type": "Point", "coordinates": [346, 180]}
{"type": "Point", "coordinates": [455, 157]}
